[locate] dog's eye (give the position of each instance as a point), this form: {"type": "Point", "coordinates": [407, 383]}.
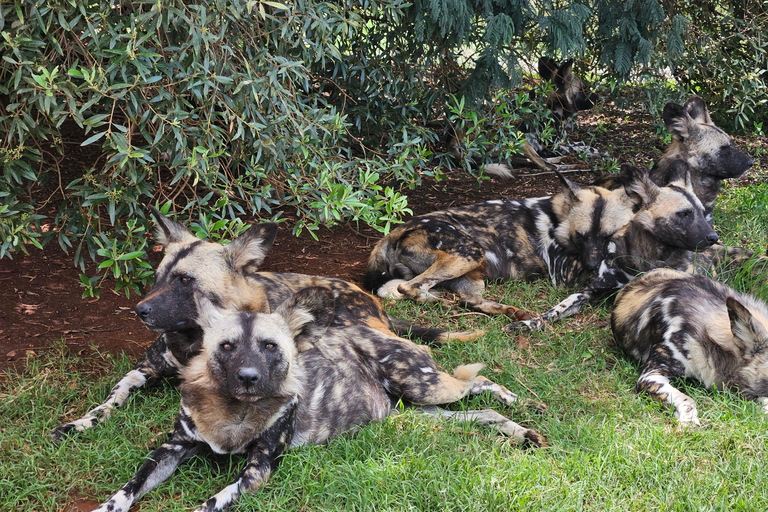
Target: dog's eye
{"type": "Point", "coordinates": [227, 346]}
{"type": "Point", "coordinates": [683, 214]}
{"type": "Point", "coordinates": [269, 346]}
{"type": "Point", "coordinates": [185, 279]}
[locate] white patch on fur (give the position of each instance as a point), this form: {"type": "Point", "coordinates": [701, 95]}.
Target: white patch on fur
{"type": "Point", "coordinates": [467, 371]}
{"type": "Point", "coordinates": [224, 498]}
{"type": "Point", "coordinates": [119, 394]}
{"type": "Point", "coordinates": [426, 369]}
{"type": "Point", "coordinates": [117, 503]}
{"type": "Point", "coordinates": [389, 290]}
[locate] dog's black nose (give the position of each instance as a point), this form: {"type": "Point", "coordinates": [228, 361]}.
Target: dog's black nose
{"type": "Point", "coordinates": [143, 310]}
{"type": "Point", "coordinates": [247, 376]}
{"type": "Point", "coordinates": [712, 238]}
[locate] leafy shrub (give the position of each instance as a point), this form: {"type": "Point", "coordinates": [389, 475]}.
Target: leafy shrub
{"type": "Point", "coordinates": [235, 108]}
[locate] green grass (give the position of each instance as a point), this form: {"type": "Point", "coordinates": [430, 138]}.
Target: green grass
{"type": "Point", "coordinates": [610, 449]}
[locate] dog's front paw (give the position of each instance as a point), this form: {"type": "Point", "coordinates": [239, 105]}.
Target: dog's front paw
{"type": "Point", "coordinates": [62, 431]}
{"type": "Point", "coordinates": [524, 326]}
{"type": "Point", "coordinates": [687, 416]}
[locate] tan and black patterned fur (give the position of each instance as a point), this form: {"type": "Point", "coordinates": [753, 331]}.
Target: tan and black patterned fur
{"type": "Point", "coordinates": [196, 275]}
{"type": "Point", "coordinates": [669, 230]}
{"type": "Point", "coordinates": [562, 238]}
{"type": "Point", "coordinates": [264, 383]}
{"type": "Point", "coordinates": [678, 324]}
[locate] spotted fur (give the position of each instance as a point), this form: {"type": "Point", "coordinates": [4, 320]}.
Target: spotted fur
{"type": "Point", "coordinates": [264, 383]}
{"type": "Point", "coordinates": [562, 237]}
{"type": "Point", "coordinates": [195, 275]}
{"type": "Point", "coordinates": [678, 324]}
{"type": "Point", "coordinates": [665, 232]}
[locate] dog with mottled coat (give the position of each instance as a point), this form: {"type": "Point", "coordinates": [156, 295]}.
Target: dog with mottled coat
{"type": "Point", "coordinates": [677, 324]}
{"type": "Point", "coordinates": [562, 238]}
{"type": "Point", "coordinates": [264, 383]}
{"type": "Point", "coordinates": [196, 275]}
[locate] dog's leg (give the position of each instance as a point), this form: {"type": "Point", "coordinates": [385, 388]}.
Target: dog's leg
{"type": "Point", "coordinates": [263, 457]}
{"type": "Point", "coordinates": [155, 362]}
{"type": "Point", "coordinates": [447, 266]}
{"type": "Point", "coordinates": [471, 286]}
{"type": "Point", "coordinates": [656, 384]}
{"type": "Point", "coordinates": [492, 419]}
{"type": "Point", "coordinates": [412, 374]}
{"type": "Point", "coordinates": [160, 464]}
{"type": "Point", "coordinates": [571, 305]}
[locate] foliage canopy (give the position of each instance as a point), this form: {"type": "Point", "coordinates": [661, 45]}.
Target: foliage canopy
{"type": "Point", "coordinates": [230, 108]}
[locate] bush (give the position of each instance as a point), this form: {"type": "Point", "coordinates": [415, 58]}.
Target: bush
{"type": "Point", "coordinates": [222, 109]}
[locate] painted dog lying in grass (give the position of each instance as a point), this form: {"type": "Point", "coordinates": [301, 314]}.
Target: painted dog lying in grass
{"type": "Point", "coordinates": [263, 383]}
{"type": "Point", "coordinates": [562, 237]}
{"type": "Point", "coordinates": [195, 276]}
{"type": "Point", "coordinates": [677, 324]}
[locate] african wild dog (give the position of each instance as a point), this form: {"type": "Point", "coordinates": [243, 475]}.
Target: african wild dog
{"type": "Point", "coordinates": [708, 150]}
{"type": "Point", "coordinates": [570, 95]}
{"type": "Point", "coordinates": [665, 232]}
{"type": "Point", "coordinates": [562, 237]}
{"type": "Point", "coordinates": [195, 275]}
{"type": "Point", "coordinates": [682, 325]}
{"type": "Point", "coordinates": [264, 383]}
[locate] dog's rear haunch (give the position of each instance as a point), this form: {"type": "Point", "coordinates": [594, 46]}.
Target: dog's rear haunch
{"type": "Point", "coordinates": [266, 382]}
{"type": "Point", "coordinates": [685, 325]}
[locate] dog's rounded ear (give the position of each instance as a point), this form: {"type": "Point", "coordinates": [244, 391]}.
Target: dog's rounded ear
{"type": "Point", "coordinates": [547, 68]}
{"type": "Point", "coordinates": [678, 172]}
{"type": "Point", "coordinates": [638, 186]}
{"type": "Point", "coordinates": [680, 125]}
{"type": "Point", "coordinates": [570, 189]}
{"type": "Point", "coordinates": [308, 314]}
{"type": "Point", "coordinates": [697, 109]}
{"type": "Point", "coordinates": [565, 69]}
{"type": "Point", "coordinates": [749, 335]}
{"type": "Point", "coordinates": [246, 253]}
{"type": "Point", "coordinates": [169, 231]}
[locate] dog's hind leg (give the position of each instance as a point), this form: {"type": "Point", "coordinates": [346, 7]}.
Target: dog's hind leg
{"type": "Point", "coordinates": [154, 363]}
{"type": "Point", "coordinates": [491, 419]}
{"type": "Point", "coordinates": [412, 374]}
{"type": "Point", "coordinates": [470, 288]}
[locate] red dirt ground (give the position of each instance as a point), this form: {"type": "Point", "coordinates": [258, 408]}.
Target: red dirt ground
{"type": "Point", "coordinates": [40, 293]}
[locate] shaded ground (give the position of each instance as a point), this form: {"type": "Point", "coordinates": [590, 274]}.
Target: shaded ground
{"type": "Point", "coordinates": [40, 293]}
